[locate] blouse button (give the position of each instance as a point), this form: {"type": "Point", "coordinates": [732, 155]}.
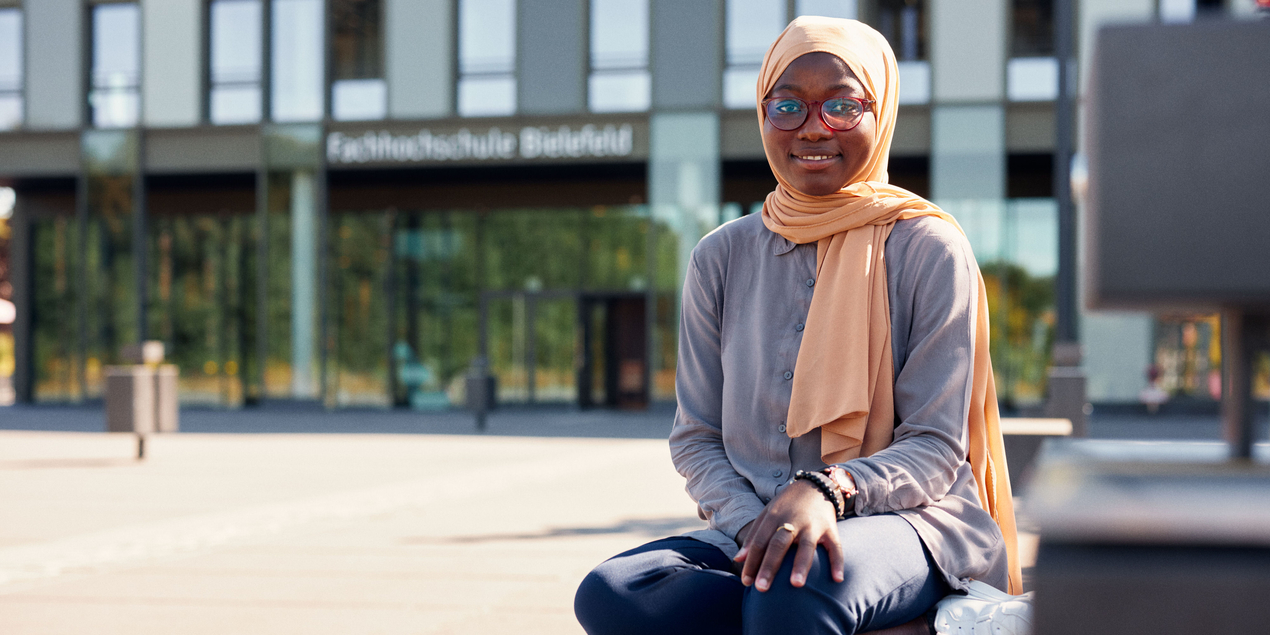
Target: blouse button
{"type": "Point", "coordinates": [811, 282]}
{"type": "Point", "coordinates": [781, 427]}
{"type": "Point", "coordinates": [777, 474]}
{"type": "Point", "coordinates": [799, 327]}
{"type": "Point", "coordinates": [789, 375]}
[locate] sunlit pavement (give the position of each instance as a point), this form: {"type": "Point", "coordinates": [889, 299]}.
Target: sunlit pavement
{"type": "Point", "coordinates": [303, 533]}
{"type": "Point", "coordinates": [422, 527]}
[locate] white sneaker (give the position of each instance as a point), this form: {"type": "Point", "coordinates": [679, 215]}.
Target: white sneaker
{"type": "Point", "coordinates": [983, 610]}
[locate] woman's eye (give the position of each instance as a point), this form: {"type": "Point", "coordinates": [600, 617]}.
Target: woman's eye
{"type": "Point", "coordinates": [788, 107]}
{"type": "Point", "coordinates": [844, 107]}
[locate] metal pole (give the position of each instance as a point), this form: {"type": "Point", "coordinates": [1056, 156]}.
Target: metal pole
{"type": "Point", "coordinates": [1237, 385]}
{"type": "Point", "coordinates": [139, 249]}
{"type": "Point", "coordinates": [1066, 328]}
{"type": "Point", "coordinates": [79, 256]}
{"type": "Point", "coordinates": [262, 269]}
{"type": "Point", "coordinates": [323, 274]}
{"type": "Point", "coordinates": [531, 343]}
{"type": "Point", "coordinates": [1066, 398]}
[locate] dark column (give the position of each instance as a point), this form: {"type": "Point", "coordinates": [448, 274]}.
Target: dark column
{"type": "Point", "coordinates": [140, 253]}
{"type": "Point", "coordinates": [1066, 328]}
{"type": "Point", "coordinates": [20, 271]}
{"type": "Point", "coordinates": [1066, 396]}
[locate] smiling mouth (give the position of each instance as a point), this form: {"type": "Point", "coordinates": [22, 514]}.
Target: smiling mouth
{"type": "Point", "coordinates": [815, 161]}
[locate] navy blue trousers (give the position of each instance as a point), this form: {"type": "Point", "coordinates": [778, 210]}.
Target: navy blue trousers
{"type": "Point", "coordinates": [682, 585]}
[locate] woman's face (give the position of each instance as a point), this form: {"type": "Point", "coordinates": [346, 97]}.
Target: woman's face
{"type": "Point", "coordinates": [814, 158]}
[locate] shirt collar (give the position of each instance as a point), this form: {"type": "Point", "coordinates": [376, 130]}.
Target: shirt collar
{"type": "Point", "coordinates": [781, 246]}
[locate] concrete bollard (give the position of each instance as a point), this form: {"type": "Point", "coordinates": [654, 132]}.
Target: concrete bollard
{"type": "Point", "coordinates": [142, 398]}
{"type": "Point", "coordinates": [167, 407]}
{"type": "Point", "coordinates": [131, 400]}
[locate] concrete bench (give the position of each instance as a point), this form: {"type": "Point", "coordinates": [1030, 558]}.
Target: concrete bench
{"type": "Point", "coordinates": [1023, 438]}
{"type": "Point", "coordinates": [1160, 537]}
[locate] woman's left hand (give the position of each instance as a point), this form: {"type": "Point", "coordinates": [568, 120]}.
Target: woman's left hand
{"type": "Point", "coordinates": [803, 508]}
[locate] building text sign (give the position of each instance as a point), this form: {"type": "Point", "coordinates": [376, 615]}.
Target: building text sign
{"type": "Point", "coordinates": [588, 141]}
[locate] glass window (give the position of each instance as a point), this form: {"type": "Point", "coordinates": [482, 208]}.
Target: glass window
{"type": "Point", "coordinates": [358, 90]}
{"type": "Point", "coordinates": [828, 8]}
{"type": "Point", "coordinates": [297, 60]}
{"type": "Point", "coordinates": [10, 68]}
{"type": "Point", "coordinates": [113, 96]}
{"type": "Point", "coordinates": [235, 59]}
{"type": "Point", "coordinates": [109, 316]}
{"type": "Point", "coordinates": [619, 79]}
{"type": "Point", "coordinates": [437, 295]}
{"type": "Point", "coordinates": [1033, 29]}
{"type": "Point", "coordinates": [1032, 79]}
{"type": "Point", "coordinates": [903, 22]}
{"type": "Point", "coordinates": [487, 58]}
{"type": "Point", "coordinates": [1032, 72]}
{"type": "Point", "coordinates": [752, 26]}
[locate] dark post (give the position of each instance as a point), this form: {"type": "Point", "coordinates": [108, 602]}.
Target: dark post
{"type": "Point", "coordinates": [1066, 396]}
{"type": "Point", "coordinates": [1242, 336]}
{"type": "Point", "coordinates": [480, 390]}
{"type": "Point", "coordinates": [1064, 119]}
{"type": "Point", "coordinates": [21, 274]}
{"type": "Point", "coordinates": [139, 247]}
{"type": "Point", "coordinates": [261, 355]}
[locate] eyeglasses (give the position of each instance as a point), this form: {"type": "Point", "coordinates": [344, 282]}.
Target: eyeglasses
{"type": "Point", "coordinates": [839, 113]}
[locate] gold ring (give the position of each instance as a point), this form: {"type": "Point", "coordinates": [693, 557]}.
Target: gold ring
{"type": "Point", "coordinates": [788, 527]}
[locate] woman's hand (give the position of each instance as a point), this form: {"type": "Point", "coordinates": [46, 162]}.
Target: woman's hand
{"type": "Point", "coordinates": [767, 539]}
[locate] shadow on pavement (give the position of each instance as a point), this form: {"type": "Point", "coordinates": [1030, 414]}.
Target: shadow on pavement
{"type": "Point", "coordinates": [649, 527]}
{"type": "Point", "coordinates": [653, 423]}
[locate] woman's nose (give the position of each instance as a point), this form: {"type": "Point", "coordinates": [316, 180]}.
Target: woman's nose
{"type": "Point", "coordinates": [814, 128]}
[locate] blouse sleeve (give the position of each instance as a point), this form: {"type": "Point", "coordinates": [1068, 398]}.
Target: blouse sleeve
{"type": "Point", "coordinates": [724, 497]}
{"type": "Point", "coordinates": [938, 287]}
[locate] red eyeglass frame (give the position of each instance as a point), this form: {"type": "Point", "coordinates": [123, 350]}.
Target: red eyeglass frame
{"type": "Point", "coordinates": [865, 104]}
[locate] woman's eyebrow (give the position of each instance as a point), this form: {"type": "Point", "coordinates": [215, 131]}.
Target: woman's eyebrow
{"type": "Point", "coordinates": [794, 88]}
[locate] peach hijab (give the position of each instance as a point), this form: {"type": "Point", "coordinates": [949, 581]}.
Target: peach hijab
{"type": "Point", "coordinates": [845, 374]}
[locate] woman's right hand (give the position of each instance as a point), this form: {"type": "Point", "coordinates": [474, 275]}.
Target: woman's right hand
{"type": "Point", "coordinates": [798, 517]}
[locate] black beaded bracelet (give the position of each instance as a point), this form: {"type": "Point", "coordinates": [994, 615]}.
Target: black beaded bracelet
{"type": "Point", "coordinates": [827, 487]}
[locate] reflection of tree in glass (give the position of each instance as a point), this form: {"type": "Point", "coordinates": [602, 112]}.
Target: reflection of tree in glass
{"type": "Point", "coordinates": [1021, 313]}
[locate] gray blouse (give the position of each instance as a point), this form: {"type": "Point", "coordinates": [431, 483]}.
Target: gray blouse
{"type": "Point", "coordinates": [745, 300]}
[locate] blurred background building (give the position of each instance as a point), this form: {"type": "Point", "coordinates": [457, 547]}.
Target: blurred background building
{"type": "Point", "coordinates": [347, 201]}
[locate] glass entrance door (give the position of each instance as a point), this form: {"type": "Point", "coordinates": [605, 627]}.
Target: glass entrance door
{"type": "Point", "coordinates": [533, 345]}
{"type": "Point", "coordinates": [614, 360]}
{"type": "Point", "coordinates": [201, 301]}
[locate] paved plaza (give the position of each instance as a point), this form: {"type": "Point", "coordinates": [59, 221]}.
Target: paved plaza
{"type": "Point", "coordinates": [294, 521]}
{"type": "Point", "coordinates": [318, 533]}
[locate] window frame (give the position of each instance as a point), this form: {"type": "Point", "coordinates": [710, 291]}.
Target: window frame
{"type": "Point", "coordinates": [19, 89]}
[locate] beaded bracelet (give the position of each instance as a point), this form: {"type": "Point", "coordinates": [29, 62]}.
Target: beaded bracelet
{"type": "Point", "coordinates": [827, 487]}
{"type": "Point", "coordinates": [848, 488]}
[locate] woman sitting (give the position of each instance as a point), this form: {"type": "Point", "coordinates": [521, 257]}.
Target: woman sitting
{"type": "Point", "coordinates": [837, 420]}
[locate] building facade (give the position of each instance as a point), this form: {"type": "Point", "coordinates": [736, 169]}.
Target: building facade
{"type": "Point", "coordinates": [354, 201]}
